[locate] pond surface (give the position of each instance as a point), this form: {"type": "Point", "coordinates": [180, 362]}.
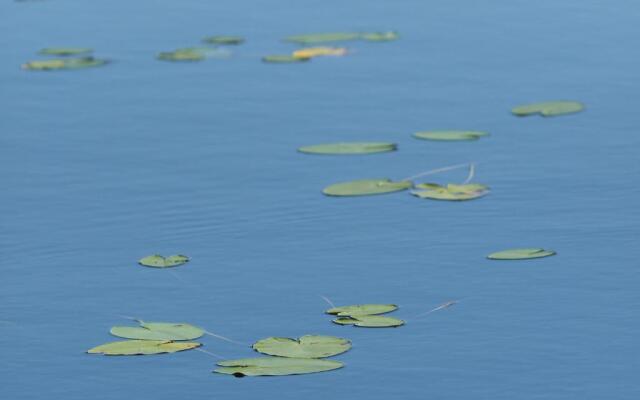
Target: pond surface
{"type": "Point", "coordinates": [104, 166]}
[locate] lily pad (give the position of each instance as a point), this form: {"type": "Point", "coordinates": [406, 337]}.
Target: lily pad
{"type": "Point", "coordinates": [142, 347]}
{"type": "Point", "coordinates": [224, 40]}
{"type": "Point", "coordinates": [349, 148]}
{"type": "Point", "coordinates": [450, 135]}
{"type": "Point", "coordinates": [158, 261]}
{"type": "Point", "coordinates": [193, 54]}
{"type": "Point", "coordinates": [158, 331]}
{"type": "Point", "coordinates": [66, 63]}
{"type": "Point", "coordinates": [380, 36]}
{"type": "Point", "coordinates": [275, 366]}
{"type": "Point", "coordinates": [451, 192]}
{"type": "Point", "coordinates": [369, 321]}
{"type": "Point", "coordinates": [309, 346]}
{"type": "Point", "coordinates": [314, 38]}
{"type": "Point", "coordinates": [65, 51]}
{"type": "Point", "coordinates": [283, 59]}
{"type": "Point", "coordinates": [548, 109]}
{"type": "Point", "coordinates": [362, 309]}
{"type": "Point", "coordinates": [366, 187]}
{"type": "Point", "coordinates": [521, 254]}
{"type": "Point", "coordinates": [311, 52]}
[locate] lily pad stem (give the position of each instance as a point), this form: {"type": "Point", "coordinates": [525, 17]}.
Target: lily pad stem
{"type": "Point", "coordinates": [437, 170]}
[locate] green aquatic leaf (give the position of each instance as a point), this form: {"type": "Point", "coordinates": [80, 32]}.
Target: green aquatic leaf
{"type": "Point", "coordinates": [362, 309]}
{"type": "Point", "coordinates": [158, 331]}
{"type": "Point", "coordinates": [193, 54]}
{"type": "Point", "coordinates": [450, 135]}
{"type": "Point", "coordinates": [380, 36]}
{"type": "Point", "coordinates": [349, 148]}
{"type": "Point", "coordinates": [142, 347]}
{"type": "Point", "coordinates": [65, 51]}
{"type": "Point", "coordinates": [369, 321]}
{"type": "Point", "coordinates": [366, 187]}
{"type": "Point", "coordinates": [548, 109]}
{"type": "Point", "coordinates": [158, 261]}
{"type": "Point", "coordinates": [451, 192]}
{"type": "Point", "coordinates": [62, 64]}
{"type": "Point", "coordinates": [283, 59]}
{"type": "Point", "coordinates": [521, 254]}
{"type": "Point", "coordinates": [275, 366]}
{"type": "Point", "coordinates": [224, 40]}
{"type": "Point", "coordinates": [309, 346]}
{"type": "Point", "coordinates": [314, 38]}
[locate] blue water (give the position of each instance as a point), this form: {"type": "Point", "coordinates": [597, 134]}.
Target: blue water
{"type": "Point", "coordinates": [101, 167]}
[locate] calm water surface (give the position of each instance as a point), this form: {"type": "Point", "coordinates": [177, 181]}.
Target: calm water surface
{"type": "Point", "coordinates": [104, 166]}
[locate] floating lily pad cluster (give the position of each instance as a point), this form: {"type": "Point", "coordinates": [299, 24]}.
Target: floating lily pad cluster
{"type": "Point", "coordinates": [366, 315]}
{"type": "Point", "coordinates": [215, 49]}
{"type": "Point", "coordinates": [69, 58]}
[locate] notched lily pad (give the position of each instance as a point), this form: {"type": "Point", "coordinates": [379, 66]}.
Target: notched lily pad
{"type": "Point", "coordinates": [158, 261]}
{"type": "Point", "coordinates": [284, 59]}
{"type": "Point", "coordinates": [521, 254]}
{"type": "Point", "coordinates": [142, 347]}
{"type": "Point", "coordinates": [224, 40]}
{"type": "Point", "coordinates": [65, 51]}
{"type": "Point", "coordinates": [312, 52]}
{"type": "Point", "coordinates": [451, 192]}
{"type": "Point", "coordinates": [362, 309]}
{"type": "Point", "coordinates": [158, 331]}
{"type": "Point", "coordinates": [349, 148]}
{"type": "Point", "coordinates": [275, 366]}
{"type": "Point", "coordinates": [548, 109]}
{"type": "Point", "coordinates": [64, 63]}
{"type": "Point", "coordinates": [309, 346]}
{"type": "Point", "coordinates": [366, 187]}
{"type": "Point", "coordinates": [450, 135]}
{"type": "Point", "coordinates": [369, 321]}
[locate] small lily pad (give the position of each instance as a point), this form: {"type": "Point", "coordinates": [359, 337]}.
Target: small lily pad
{"type": "Point", "coordinates": [66, 63]}
{"type": "Point", "coordinates": [309, 346]}
{"type": "Point", "coordinates": [451, 192]}
{"type": "Point", "coordinates": [193, 54]}
{"type": "Point", "coordinates": [314, 38]}
{"type": "Point", "coordinates": [362, 309]}
{"type": "Point", "coordinates": [380, 36]}
{"type": "Point", "coordinates": [349, 148]}
{"type": "Point", "coordinates": [283, 59]}
{"type": "Point", "coordinates": [450, 135]}
{"type": "Point", "coordinates": [65, 51]}
{"type": "Point", "coordinates": [548, 109]}
{"type": "Point", "coordinates": [366, 187]}
{"type": "Point", "coordinates": [142, 347]}
{"type": "Point", "coordinates": [311, 52]}
{"type": "Point", "coordinates": [369, 321]}
{"type": "Point", "coordinates": [224, 40]}
{"type": "Point", "coordinates": [275, 366]}
{"type": "Point", "coordinates": [158, 331]}
{"type": "Point", "coordinates": [158, 261]}
{"type": "Point", "coordinates": [521, 254]}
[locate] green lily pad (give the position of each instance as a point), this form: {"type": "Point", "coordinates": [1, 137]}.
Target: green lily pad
{"type": "Point", "coordinates": [66, 63]}
{"type": "Point", "coordinates": [65, 51]}
{"type": "Point", "coordinates": [450, 135]}
{"type": "Point", "coordinates": [158, 331]}
{"type": "Point", "coordinates": [275, 366]}
{"type": "Point", "coordinates": [224, 40]}
{"type": "Point", "coordinates": [314, 38]}
{"type": "Point", "coordinates": [369, 321]}
{"type": "Point", "coordinates": [380, 36]}
{"type": "Point", "coordinates": [362, 309]}
{"type": "Point", "coordinates": [349, 148]}
{"type": "Point", "coordinates": [158, 261]}
{"type": "Point", "coordinates": [142, 347]}
{"type": "Point", "coordinates": [521, 254]}
{"type": "Point", "coordinates": [284, 58]}
{"type": "Point", "coordinates": [366, 187]}
{"type": "Point", "coordinates": [193, 54]}
{"type": "Point", "coordinates": [548, 109]}
{"type": "Point", "coordinates": [309, 346]}
{"type": "Point", "coordinates": [451, 192]}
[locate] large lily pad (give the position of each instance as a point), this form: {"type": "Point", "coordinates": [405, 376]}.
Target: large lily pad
{"type": "Point", "coordinates": [158, 261]}
{"type": "Point", "coordinates": [142, 347]}
{"type": "Point", "coordinates": [66, 63]}
{"type": "Point", "coordinates": [366, 187]}
{"type": "Point", "coordinates": [450, 192]}
{"type": "Point", "coordinates": [311, 52]}
{"type": "Point", "coordinates": [349, 148]}
{"type": "Point", "coordinates": [275, 366]}
{"type": "Point", "coordinates": [158, 331]}
{"type": "Point", "coordinates": [548, 109]}
{"type": "Point", "coordinates": [65, 51]}
{"type": "Point", "coordinates": [521, 254]}
{"type": "Point", "coordinates": [369, 321]}
{"type": "Point", "coordinates": [309, 346]}
{"type": "Point", "coordinates": [284, 59]}
{"type": "Point", "coordinates": [362, 309]}
{"type": "Point", "coordinates": [224, 40]}
{"type": "Point", "coordinates": [450, 135]}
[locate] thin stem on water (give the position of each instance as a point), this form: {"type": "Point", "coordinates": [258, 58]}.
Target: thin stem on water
{"type": "Point", "coordinates": [210, 353]}
{"type": "Point", "coordinates": [328, 301]}
{"type": "Point", "coordinates": [226, 339]}
{"type": "Point", "coordinates": [436, 171]}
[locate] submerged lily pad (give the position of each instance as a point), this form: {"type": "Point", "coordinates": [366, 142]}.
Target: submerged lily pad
{"type": "Point", "coordinates": [142, 347]}
{"type": "Point", "coordinates": [311, 52]}
{"type": "Point", "coordinates": [65, 51]}
{"type": "Point", "coordinates": [450, 135]}
{"type": "Point", "coordinates": [158, 261]}
{"type": "Point", "coordinates": [450, 192]}
{"type": "Point", "coordinates": [369, 321]}
{"type": "Point", "coordinates": [313, 38]}
{"type": "Point", "coordinates": [548, 109]}
{"type": "Point", "coordinates": [366, 187]}
{"type": "Point", "coordinates": [158, 331]}
{"type": "Point", "coordinates": [309, 346]}
{"type": "Point", "coordinates": [362, 309]}
{"type": "Point", "coordinates": [275, 366]}
{"type": "Point", "coordinates": [521, 254]}
{"type": "Point", "coordinates": [283, 59]}
{"type": "Point", "coordinates": [224, 40]}
{"type": "Point", "coordinates": [349, 148]}
{"type": "Point", "coordinates": [66, 63]}
{"type": "Point", "coordinates": [380, 36]}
